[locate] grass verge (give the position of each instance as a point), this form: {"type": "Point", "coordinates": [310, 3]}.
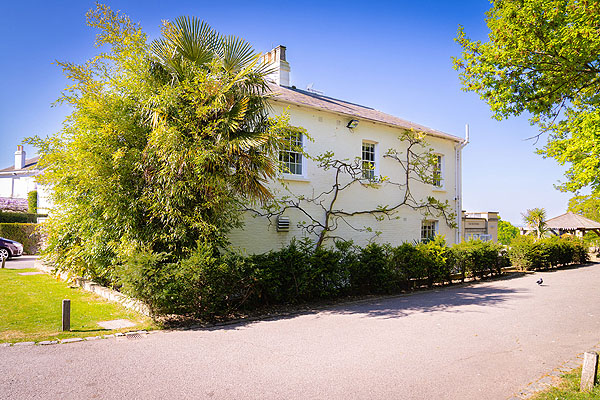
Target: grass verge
{"type": "Point", "coordinates": [31, 307]}
{"type": "Point", "coordinates": [568, 389]}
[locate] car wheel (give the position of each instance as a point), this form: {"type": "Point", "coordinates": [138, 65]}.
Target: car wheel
{"type": "Point", "coordinates": [4, 254]}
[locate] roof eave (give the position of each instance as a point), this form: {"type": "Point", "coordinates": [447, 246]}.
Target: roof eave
{"type": "Point", "coordinates": [440, 135]}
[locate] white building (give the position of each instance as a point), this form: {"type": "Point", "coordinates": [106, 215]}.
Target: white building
{"type": "Point", "coordinates": [18, 180]}
{"type": "Point", "coordinates": [351, 131]}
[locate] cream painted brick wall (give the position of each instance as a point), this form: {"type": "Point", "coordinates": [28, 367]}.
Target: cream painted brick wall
{"type": "Point", "coordinates": [329, 133]}
{"type": "Point", "coordinates": [17, 187]}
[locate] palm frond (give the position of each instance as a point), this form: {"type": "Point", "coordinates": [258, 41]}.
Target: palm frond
{"type": "Point", "coordinates": [235, 53]}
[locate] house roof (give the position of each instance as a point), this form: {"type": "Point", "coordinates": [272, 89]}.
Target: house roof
{"type": "Point", "coordinates": [571, 221]}
{"type": "Point", "coordinates": [30, 164]}
{"type": "Point", "coordinates": [321, 102]}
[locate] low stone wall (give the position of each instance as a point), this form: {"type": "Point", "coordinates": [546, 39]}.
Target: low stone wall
{"type": "Point", "coordinates": [101, 291]}
{"type": "Point", "coordinates": [13, 204]}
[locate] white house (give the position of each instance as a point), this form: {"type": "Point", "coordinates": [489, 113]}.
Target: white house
{"type": "Point", "coordinates": [351, 131]}
{"type": "Point", "coordinates": [18, 180]}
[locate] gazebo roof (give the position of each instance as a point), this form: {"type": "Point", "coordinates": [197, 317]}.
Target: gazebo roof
{"type": "Point", "coordinates": [572, 222]}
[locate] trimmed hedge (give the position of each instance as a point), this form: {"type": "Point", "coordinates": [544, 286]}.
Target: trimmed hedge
{"type": "Point", "coordinates": [25, 234]}
{"type": "Point", "coordinates": [529, 254]}
{"type": "Point", "coordinates": [15, 217]}
{"type": "Point", "coordinates": [475, 258]}
{"type": "Point", "coordinates": [210, 285]}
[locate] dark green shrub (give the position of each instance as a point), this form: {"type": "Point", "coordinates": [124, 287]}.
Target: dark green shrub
{"type": "Point", "coordinates": [282, 274]}
{"type": "Point", "coordinates": [556, 251]}
{"type": "Point", "coordinates": [26, 234]}
{"type": "Point", "coordinates": [15, 217]}
{"type": "Point", "coordinates": [370, 273]}
{"type": "Point", "coordinates": [526, 253]}
{"type": "Point", "coordinates": [210, 285]}
{"type": "Point", "coordinates": [579, 249]}
{"type": "Point", "coordinates": [32, 201]}
{"type": "Point", "coordinates": [407, 265]}
{"type": "Point", "coordinates": [476, 258]}
{"type": "Point", "coordinates": [204, 284]}
{"type": "Point", "coordinates": [438, 260]}
{"type": "Point", "coordinates": [529, 254]}
{"type": "Point", "coordinates": [327, 275]}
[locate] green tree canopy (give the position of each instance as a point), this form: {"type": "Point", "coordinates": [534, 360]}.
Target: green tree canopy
{"type": "Point", "coordinates": [506, 232]}
{"type": "Point", "coordinates": [164, 142]}
{"type": "Point", "coordinates": [589, 207]}
{"type": "Point", "coordinates": [542, 57]}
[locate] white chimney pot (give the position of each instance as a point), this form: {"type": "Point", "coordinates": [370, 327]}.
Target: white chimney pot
{"type": "Point", "coordinates": [19, 157]}
{"type": "Point", "coordinates": [275, 60]}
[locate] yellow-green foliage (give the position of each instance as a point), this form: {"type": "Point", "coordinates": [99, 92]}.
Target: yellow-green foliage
{"type": "Point", "coordinates": [542, 57]}
{"type": "Point", "coordinates": [32, 201]}
{"type": "Point", "coordinates": [165, 141]}
{"type": "Point", "coordinates": [527, 253]}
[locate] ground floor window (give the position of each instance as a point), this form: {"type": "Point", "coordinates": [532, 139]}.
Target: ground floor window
{"type": "Point", "coordinates": [428, 230]}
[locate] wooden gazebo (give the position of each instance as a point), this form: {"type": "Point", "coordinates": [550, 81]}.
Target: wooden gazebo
{"type": "Point", "coordinates": [573, 224]}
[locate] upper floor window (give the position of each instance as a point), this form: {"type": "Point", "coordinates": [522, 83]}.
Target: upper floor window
{"type": "Point", "coordinates": [368, 160]}
{"type": "Point", "coordinates": [428, 230]}
{"type": "Point", "coordinates": [291, 155]}
{"type": "Point", "coordinates": [438, 169]}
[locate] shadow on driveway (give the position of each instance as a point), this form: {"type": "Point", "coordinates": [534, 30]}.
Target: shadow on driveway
{"type": "Point", "coordinates": [444, 300]}
{"type": "Point", "coordinates": [448, 299]}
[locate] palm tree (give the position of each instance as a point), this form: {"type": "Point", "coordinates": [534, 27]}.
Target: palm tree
{"type": "Point", "coordinates": [535, 219]}
{"type": "Point", "coordinates": [241, 136]}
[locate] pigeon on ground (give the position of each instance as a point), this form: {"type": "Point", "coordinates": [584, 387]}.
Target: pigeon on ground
{"type": "Point", "coordinates": [540, 281]}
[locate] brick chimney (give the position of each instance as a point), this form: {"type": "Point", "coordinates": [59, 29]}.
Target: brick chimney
{"type": "Point", "coordinates": [275, 60]}
{"type": "Point", "coordinates": [19, 157]}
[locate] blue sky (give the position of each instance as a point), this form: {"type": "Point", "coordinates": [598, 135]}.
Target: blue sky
{"type": "Point", "coordinates": [394, 56]}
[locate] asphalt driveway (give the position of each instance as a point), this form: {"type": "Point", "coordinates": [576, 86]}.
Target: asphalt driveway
{"type": "Point", "coordinates": [482, 341]}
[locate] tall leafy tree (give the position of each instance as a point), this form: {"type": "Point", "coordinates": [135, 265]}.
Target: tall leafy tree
{"type": "Point", "coordinates": [589, 207]}
{"type": "Point", "coordinates": [542, 57]}
{"type": "Point", "coordinates": [506, 232]}
{"type": "Point", "coordinates": [164, 142]}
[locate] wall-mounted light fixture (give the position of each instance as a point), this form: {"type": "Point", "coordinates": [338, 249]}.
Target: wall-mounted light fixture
{"type": "Point", "coordinates": [352, 124]}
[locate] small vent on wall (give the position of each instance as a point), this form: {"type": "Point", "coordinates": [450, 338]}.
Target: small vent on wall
{"type": "Point", "coordinates": [283, 224]}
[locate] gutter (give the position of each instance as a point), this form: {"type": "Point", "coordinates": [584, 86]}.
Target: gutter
{"type": "Point", "coordinates": [428, 131]}
{"type": "Point", "coordinates": [458, 183]}
{"type": "Point", "coordinates": [20, 173]}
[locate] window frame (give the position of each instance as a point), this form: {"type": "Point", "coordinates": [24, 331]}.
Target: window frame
{"type": "Point", "coordinates": [434, 227]}
{"type": "Point", "coordinates": [302, 164]}
{"type": "Point", "coordinates": [438, 168]}
{"type": "Point", "coordinates": [374, 171]}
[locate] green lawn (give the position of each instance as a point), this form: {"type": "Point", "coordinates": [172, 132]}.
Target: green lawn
{"type": "Point", "coordinates": [569, 389]}
{"type": "Point", "coordinates": [31, 307]}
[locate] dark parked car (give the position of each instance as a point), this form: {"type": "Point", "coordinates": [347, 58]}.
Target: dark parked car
{"type": "Point", "coordinates": [10, 248]}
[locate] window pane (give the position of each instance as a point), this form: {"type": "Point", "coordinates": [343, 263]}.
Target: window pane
{"type": "Point", "coordinates": [437, 171]}
{"type": "Point", "coordinates": [290, 156]}
{"type": "Point", "coordinates": [368, 160]}
{"type": "Point", "coordinates": [428, 230]}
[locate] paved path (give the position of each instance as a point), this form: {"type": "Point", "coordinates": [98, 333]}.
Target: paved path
{"type": "Point", "coordinates": [22, 262]}
{"type": "Point", "coordinates": [484, 341]}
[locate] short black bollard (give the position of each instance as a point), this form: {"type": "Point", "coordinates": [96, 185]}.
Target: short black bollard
{"type": "Point", "coordinates": [66, 315]}
{"type": "Point", "coordinates": [3, 261]}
